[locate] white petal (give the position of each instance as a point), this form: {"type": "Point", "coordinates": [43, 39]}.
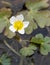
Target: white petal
{"type": "Point", "coordinates": [12, 19]}
{"type": "Point", "coordinates": [20, 17]}
{"type": "Point", "coordinates": [12, 28]}
{"type": "Point", "coordinates": [26, 23]}
{"type": "Point", "coordinates": [21, 31]}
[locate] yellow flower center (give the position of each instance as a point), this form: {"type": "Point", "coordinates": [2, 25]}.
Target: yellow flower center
{"type": "Point", "coordinates": [18, 25]}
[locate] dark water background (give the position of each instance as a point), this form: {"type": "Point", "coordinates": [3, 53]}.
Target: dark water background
{"type": "Point", "coordinates": [18, 5]}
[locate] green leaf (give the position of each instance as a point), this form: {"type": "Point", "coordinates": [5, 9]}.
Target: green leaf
{"type": "Point", "coordinates": [32, 26]}
{"type": "Point", "coordinates": [42, 18]}
{"type": "Point", "coordinates": [5, 60]}
{"type": "Point", "coordinates": [38, 39]}
{"type": "Point", "coordinates": [3, 24]}
{"type": "Point", "coordinates": [4, 14]}
{"type": "Point", "coordinates": [29, 50]}
{"type": "Point", "coordinates": [29, 17]}
{"type": "Point", "coordinates": [37, 4]}
{"type": "Point", "coordinates": [47, 39]}
{"type": "Point", "coordinates": [32, 46]}
{"type": "Point", "coordinates": [9, 33]}
{"type": "Point", "coordinates": [26, 51]}
{"type": "Point", "coordinates": [45, 47]}
{"type": "Point", "coordinates": [39, 36]}
{"type": "Point", "coordinates": [43, 51]}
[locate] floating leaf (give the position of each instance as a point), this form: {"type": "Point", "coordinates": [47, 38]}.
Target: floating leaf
{"type": "Point", "coordinates": [4, 60]}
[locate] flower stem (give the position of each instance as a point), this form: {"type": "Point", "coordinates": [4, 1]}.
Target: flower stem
{"type": "Point", "coordinates": [11, 48]}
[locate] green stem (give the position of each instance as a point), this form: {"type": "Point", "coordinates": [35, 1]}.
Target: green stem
{"type": "Point", "coordinates": [21, 61]}
{"type": "Point", "coordinates": [11, 48]}
{"type": "Point", "coordinates": [0, 61]}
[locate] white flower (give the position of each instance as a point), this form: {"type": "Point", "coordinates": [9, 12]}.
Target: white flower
{"type": "Point", "coordinates": [18, 24]}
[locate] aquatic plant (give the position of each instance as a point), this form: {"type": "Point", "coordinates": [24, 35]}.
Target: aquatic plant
{"type": "Point", "coordinates": [25, 22]}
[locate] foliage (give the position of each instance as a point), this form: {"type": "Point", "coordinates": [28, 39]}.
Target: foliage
{"type": "Point", "coordinates": [35, 15]}
{"type": "Point", "coordinates": [27, 51]}
{"type": "Point", "coordinates": [4, 22]}
{"type": "Point", "coordinates": [44, 43]}
{"type": "Point", "coordinates": [4, 60]}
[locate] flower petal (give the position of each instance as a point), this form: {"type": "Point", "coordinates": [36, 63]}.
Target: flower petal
{"type": "Point", "coordinates": [21, 31]}
{"type": "Point", "coordinates": [20, 17]}
{"type": "Point", "coordinates": [12, 19]}
{"type": "Point", "coordinates": [26, 23]}
{"type": "Point", "coordinates": [12, 28]}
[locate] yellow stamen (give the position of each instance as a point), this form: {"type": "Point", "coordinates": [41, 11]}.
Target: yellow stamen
{"type": "Point", "coordinates": [18, 25]}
